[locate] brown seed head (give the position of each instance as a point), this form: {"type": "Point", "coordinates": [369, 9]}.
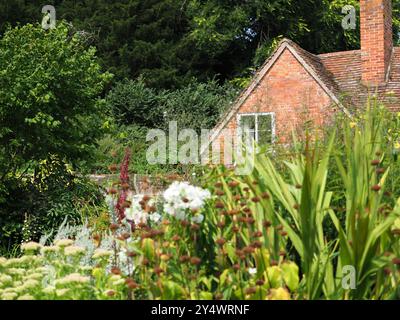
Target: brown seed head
{"type": "Point", "coordinates": [115, 270]}
{"type": "Point", "coordinates": [195, 261]}
{"type": "Point", "coordinates": [233, 184]}
{"type": "Point", "coordinates": [257, 234]}
{"type": "Point", "coordinates": [184, 259]}
{"type": "Point", "coordinates": [220, 241]}
{"type": "Point", "coordinates": [219, 205]}
{"type": "Point", "coordinates": [114, 227]}
{"type": "Point", "coordinates": [260, 282]}
{"type": "Point", "coordinates": [375, 162]}
{"type": "Point", "coordinates": [125, 186]}
{"type": "Point", "coordinates": [158, 270]}
{"type": "Point", "coordinates": [236, 267]}
{"type": "Point", "coordinates": [265, 195]}
{"type": "Point", "coordinates": [251, 290]}
{"type": "Point", "coordinates": [376, 187]}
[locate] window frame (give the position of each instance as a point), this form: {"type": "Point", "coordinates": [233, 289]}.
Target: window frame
{"type": "Point", "coordinates": [256, 114]}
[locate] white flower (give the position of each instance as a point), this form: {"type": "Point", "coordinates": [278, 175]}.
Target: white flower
{"type": "Point", "coordinates": [30, 246]}
{"type": "Point", "coordinates": [16, 271]}
{"type": "Point", "coordinates": [252, 271]}
{"type": "Point", "coordinates": [26, 297]}
{"type": "Point", "coordinates": [2, 261]}
{"type": "Point", "coordinates": [62, 292]}
{"type": "Point", "coordinates": [29, 284]}
{"type": "Point", "coordinates": [35, 276]}
{"type": "Point", "coordinates": [135, 212]}
{"type": "Point", "coordinates": [73, 278]}
{"type": "Point", "coordinates": [64, 243]}
{"type": "Point", "coordinates": [155, 217]}
{"type": "Point", "coordinates": [181, 197]}
{"type": "Point", "coordinates": [9, 296]}
{"type": "Point", "coordinates": [5, 278]}
{"type": "Point", "coordinates": [49, 249]}
{"type": "Point", "coordinates": [198, 218]}
{"type": "Point", "coordinates": [101, 253]}
{"type": "Point", "coordinates": [49, 290]}
{"type": "Point", "coordinates": [74, 251]}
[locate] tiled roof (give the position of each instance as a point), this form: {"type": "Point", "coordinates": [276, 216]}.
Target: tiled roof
{"type": "Point", "coordinates": [340, 74]}
{"type": "Point", "coordinates": [346, 69]}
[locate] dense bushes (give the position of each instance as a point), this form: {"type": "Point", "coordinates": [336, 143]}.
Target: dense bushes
{"type": "Point", "coordinates": [51, 116]}
{"type": "Point", "coordinates": [135, 109]}
{"type": "Point", "coordinates": [196, 106]}
{"type": "Point", "coordinates": [256, 236]}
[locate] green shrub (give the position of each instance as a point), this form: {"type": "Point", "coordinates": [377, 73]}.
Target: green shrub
{"type": "Point", "coordinates": [51, 115]}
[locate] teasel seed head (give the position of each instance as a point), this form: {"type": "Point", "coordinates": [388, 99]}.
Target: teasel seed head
{"type": "Point", "coordinates": [184, 258]}
{"type": "Point", "coordinates": [220, 241]}
{"type": "Point", "coordinates": [219, 205]}
{"type": "Point", "coordinates": [267, 224]}
{"type": "Point", "coordinates": [221, 224]}
{"type": "Point", "coordinates": [380, 170]}
{"type": "Point", "coordinates": [274, 263]}
{"type": "Point", "coordinates": [375, 162]}
{"type": "Point", "coordinates": [265, 195]}
{"type": "Point", "coordinates": [125, 186]}
{"type": "Point", "coordinates": [218, 185]}
{"type": "Point", "coordinates": [233, 184]}
{"type": "Point", "coordinates": [257, 234]}
{"type": "Point", "coordinates": [158, 270]}
{"type": "Point", "coordinates": [236, 267]}
{"type": "Point", "coordinates": [387, 271]}
{"type": "Point", "coordinates": [260, 282]}
{"type": "Point", "coordinates": [251, 290]}
{"type": "Point", "coordinates": [115, 270]}
{"type": "Point", "coordinates": [125, 235]}
{"type": "Point", "coordinates": [376, 188]}
{"type": "Point", "coordinates": [114, 227]}
{"type": "Point", "coordinates": [256, 244]}
{"type": "Point", "coordinates": [218, 296]}
{"type": "Point", "coordinates": [195, 261]}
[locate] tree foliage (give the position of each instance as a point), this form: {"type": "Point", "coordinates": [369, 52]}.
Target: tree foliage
{"type": "Point", "coordinates": [169, 42]}
{"type": "Point", "coordinates": [49, 88]}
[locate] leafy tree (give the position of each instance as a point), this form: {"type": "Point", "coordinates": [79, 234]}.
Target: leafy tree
{"type": "Point", "coordinates": [132, 102]}
{"type": "Point", "coordinates": [169, 42]}
{"type": "Point", "coordinates": [198, 105]}
{"type": "Point", "coordinates": [49, 88]}
{"type": "Point", "coordinates": [50, 116]}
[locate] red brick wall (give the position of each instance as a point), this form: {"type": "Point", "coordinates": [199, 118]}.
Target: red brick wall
{"type": "Point", "coordinates": [376, 39]}
{"type": "Point", "coordinates": [292, 94]}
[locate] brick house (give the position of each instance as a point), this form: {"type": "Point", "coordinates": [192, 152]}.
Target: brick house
{"type": "Point", "coordinates": [294, 86]}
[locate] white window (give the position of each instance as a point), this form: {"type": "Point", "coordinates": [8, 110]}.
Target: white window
{"type": "Point", "coordinates": [260, 127]}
